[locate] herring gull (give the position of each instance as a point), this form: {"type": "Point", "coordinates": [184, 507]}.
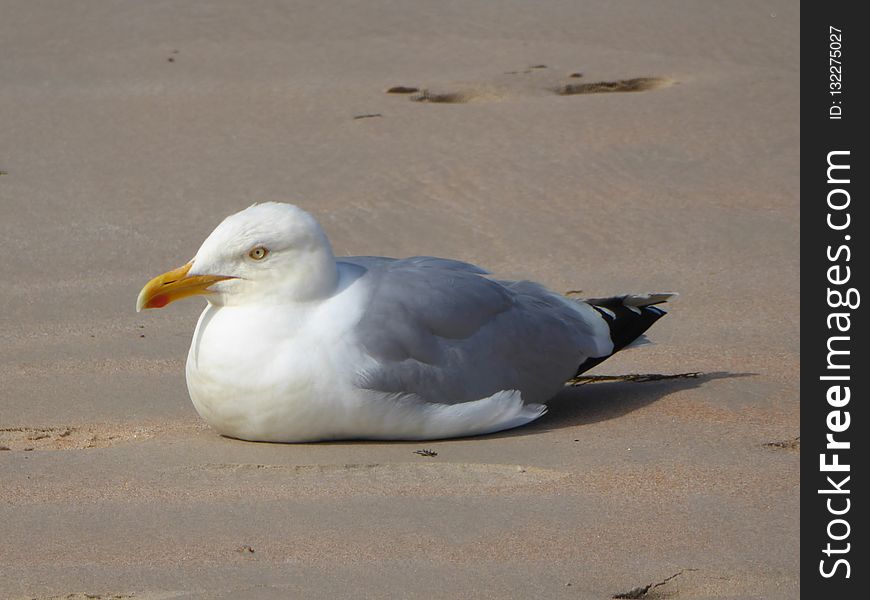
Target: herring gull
{"type": "Point", "coordinates": [296, 345]}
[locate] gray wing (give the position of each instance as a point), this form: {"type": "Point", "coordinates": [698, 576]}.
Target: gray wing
{"type": "Point", "coordinates": [443, 331]}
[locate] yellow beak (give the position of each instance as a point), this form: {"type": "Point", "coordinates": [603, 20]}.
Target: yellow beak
{"type": "Point", "coordinates": [175, 285]}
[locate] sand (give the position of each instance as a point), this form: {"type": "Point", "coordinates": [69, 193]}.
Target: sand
{"type": "Point", "coordinates": [668, 161]}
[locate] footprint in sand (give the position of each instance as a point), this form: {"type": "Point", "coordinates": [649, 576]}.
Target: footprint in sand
{"type": "Point", "coordinates": [793, 444]}
{"type": "Point", "coordinates": [638, 84]}
{"type": "Point", "coordinates": [29, 439]}
{"type": "Point", "coordinates": [471, 94]}
{"type": "Point", "coordinates": [534, 80]}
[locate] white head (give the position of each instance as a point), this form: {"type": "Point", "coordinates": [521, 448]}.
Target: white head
{"type": "Point", "coordinates": [269, 253]}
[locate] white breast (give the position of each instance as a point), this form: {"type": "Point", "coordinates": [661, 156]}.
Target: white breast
{"type": "Point", "coordinates": [275, 373]}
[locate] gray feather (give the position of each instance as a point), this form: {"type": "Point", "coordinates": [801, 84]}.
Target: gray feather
{"type": "Point", "coordinates": [441, 330]}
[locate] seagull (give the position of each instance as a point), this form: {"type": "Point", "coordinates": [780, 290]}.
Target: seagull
{"type": "Point", "coordinates": [296, 345]}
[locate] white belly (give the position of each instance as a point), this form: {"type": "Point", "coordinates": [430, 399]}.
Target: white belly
{"type": "Point", "coordinates": [251, 379]}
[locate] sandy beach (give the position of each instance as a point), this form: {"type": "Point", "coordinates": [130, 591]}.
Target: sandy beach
{"type": "Point", "coordinates": [599, 146]}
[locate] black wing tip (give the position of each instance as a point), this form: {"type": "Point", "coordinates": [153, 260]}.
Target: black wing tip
{"type": "Point", "coordinates": [627, 322]}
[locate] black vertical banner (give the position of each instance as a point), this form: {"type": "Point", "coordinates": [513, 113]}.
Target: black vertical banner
{"type": "Point", "coordinates": [835, 225]}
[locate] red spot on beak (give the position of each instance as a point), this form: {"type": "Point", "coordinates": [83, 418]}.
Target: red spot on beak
{"type": "Point", "coordinates": [158, 301]}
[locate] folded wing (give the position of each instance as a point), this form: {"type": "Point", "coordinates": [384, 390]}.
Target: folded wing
{"type": "Point", "coordinates": [443, 331]}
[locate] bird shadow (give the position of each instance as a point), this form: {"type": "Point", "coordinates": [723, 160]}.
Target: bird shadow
{"type": "Point", "coordinates": [610, 397]}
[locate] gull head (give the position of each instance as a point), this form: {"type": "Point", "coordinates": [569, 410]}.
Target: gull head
{"type": "Point", "coordinates": [269, 253]}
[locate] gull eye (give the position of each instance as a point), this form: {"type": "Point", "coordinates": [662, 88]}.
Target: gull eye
{"type": "Point", "coordinates": [258, 253]}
